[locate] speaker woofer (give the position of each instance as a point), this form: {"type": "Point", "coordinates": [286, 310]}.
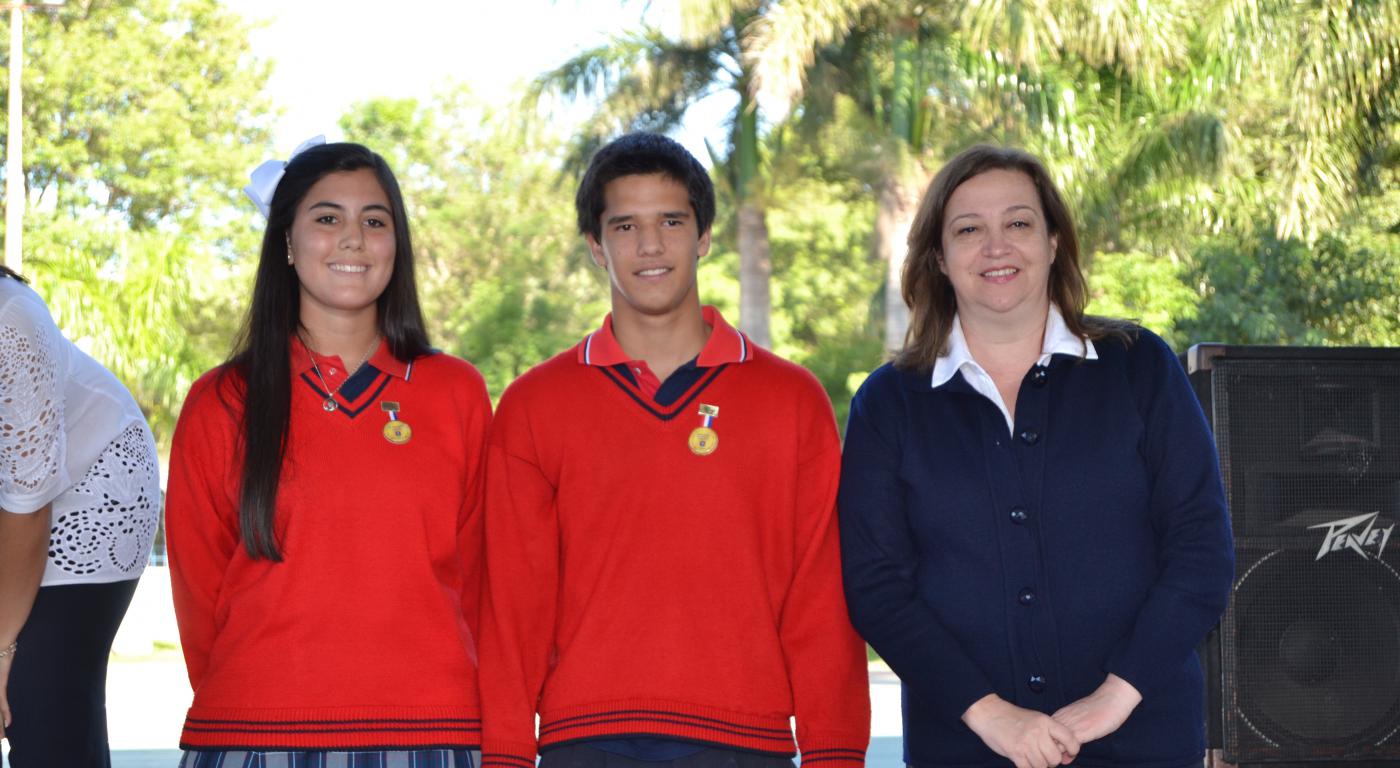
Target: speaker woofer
{"type": "Point", "coordinates": [1317, 644]}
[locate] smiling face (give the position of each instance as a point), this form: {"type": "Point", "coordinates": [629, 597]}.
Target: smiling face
{"type": "Point", "coordinates": [997, 249]}
{"type": "Point", "coordinates": [650, 246]}
{"type": "Point", "coordinates": [342, 244]}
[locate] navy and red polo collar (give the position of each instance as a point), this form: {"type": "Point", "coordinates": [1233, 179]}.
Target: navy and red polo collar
{"type": "Point", "coordinates": [725, 345]}
{"type": "Point", "coordinates": [354, 392]}
{"type": "Point", "coordinates": [382, 360]}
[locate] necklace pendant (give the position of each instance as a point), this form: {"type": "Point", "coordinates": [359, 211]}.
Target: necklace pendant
{"type": "Point", "coordinates": [329, 405]}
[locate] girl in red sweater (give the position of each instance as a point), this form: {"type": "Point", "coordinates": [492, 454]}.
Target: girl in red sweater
{"type": "Point", "coordinates": [323, 508]}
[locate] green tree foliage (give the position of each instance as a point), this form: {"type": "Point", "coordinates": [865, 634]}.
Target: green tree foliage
{"type": "Point", "coordinates": [1339, 289]}
{"type": "Point", "coordinates": [1312, 89]}
{"type": "Point", "coordinates": [1145, 289]}
{"type": "Point", "coordinates": [505, 278]}
{"type": "Point", "coordinates": [824, 318]}
{"type": "Point", "coordinates": [1167, 123]}
{"type": "Point", "coordinates": [141, 119]}
{"type": "Point", "coordinates": [1232, 164]}
{"type": "Point", "coordinates": [1251, 286]}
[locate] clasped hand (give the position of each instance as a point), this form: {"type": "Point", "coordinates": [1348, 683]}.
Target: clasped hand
{"type": "Point", "coordinates": [1101, 712]}
{"type": "Point", "coordinates": [1031, 739]}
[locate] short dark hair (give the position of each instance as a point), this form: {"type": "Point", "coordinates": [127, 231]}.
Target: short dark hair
{"type": "Point", "coordinates": [929, 293]}
{"type": "Point", "coordinates": [638, 154]}
{"type": "Point", "coordinates": [261, 354]}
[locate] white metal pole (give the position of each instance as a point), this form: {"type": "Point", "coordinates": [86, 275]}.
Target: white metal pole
{"type": "Point", "coordinates": [14, 163]}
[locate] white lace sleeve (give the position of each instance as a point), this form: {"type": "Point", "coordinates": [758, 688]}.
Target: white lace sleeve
{"type": "Point", "coordinates": [32, 436]}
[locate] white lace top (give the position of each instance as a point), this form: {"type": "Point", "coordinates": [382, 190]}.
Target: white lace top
{"type": "Point", "coordinates": [71, 434]}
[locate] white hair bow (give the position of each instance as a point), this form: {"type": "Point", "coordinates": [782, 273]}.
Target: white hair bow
{"type": "Point", "coordinates": [266, 176]}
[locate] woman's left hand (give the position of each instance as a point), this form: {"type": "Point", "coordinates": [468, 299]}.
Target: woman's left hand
{"type": "Point", "coordinates": [5, 718]}
{"type": "Point", "coordinates": [1101, 712]}
{"type": "Point", "coordinates": [24, 545]}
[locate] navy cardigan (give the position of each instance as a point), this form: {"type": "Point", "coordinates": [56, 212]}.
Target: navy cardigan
{"type": "Point", "coordinates": [1091, 539]}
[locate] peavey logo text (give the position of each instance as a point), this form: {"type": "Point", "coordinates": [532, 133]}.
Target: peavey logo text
{"type": "Point", "coordinates": [1343, 534]}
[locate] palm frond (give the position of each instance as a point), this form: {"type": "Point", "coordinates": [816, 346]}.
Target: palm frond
{"type": "Point", "coordinates": [786, 39]}
{"type": "Point", "coordinates": [1146, 39]}
{"type": "Point", "coordinates": [640, 81]}
{"type": "Point", "coordinates": [1193, 144]}
{"type": "Point", "coordinates": [703, 20]}
{"type": "Point", "coordinates": [1024, 30]}
{"type": "Point", "coordinates": [1336, 65]}
{"type": "Point", "coordinates": [594, 72]}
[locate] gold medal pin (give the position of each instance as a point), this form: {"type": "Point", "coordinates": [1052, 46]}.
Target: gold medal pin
{"type": "Point", "coordinates": [396, 431]}
{"type": "Point", "coordinates": [703, 439]}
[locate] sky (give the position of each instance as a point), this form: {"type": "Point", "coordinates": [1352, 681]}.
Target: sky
{"type": "Point", "coordinates": [330, 54]}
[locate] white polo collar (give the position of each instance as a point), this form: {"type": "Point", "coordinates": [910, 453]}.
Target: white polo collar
{"type": "Point", "coordinates": [1059, 340]}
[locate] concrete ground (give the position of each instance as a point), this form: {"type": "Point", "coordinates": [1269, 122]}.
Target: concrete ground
{"type": "Point", "coordinates": [148, 692]}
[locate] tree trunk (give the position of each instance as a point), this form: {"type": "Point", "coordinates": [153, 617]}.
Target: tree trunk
{"type": "Point", "coordinates": [898, 202]}
{"type": "Point", "coordinates": [755, 267]}
{"type": "Point", "coordinates": [755, 270]}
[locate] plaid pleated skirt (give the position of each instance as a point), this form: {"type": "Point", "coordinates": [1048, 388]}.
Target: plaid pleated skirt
{"type": "Point", "coordinates": [417, 758]}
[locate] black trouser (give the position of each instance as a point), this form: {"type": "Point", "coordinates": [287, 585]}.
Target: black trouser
{"type": "Point", "coordinates": [58, 683]}
{"type": "Point", "coordinates": [580, 755]}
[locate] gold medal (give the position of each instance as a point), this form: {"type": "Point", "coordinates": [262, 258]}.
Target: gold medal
{"type": "Point", "coordinates": [397, 432]}
{"type": "Point", "coordinates": [703, 441]}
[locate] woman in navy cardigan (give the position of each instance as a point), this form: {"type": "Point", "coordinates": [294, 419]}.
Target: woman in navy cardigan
{"type": "Point", "coordinates": [1034, 533]}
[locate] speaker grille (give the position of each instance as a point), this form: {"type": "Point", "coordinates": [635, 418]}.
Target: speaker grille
{"type": "Point", "coordinates": [1310, 646]}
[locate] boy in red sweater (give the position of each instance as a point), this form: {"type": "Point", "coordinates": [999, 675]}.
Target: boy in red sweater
{"type": "Point", "coordinates": [664, 578]}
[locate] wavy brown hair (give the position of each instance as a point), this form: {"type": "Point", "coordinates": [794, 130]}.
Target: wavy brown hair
{"type": "Point", "coordinates": [929, 293]}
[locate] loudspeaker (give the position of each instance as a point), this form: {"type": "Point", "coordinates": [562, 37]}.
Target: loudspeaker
{"type": "Point", "coordinates": [1305, 667]}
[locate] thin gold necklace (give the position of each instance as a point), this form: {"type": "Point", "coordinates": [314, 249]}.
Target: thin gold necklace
{"type": "Point", "coordinates": [329, 405]}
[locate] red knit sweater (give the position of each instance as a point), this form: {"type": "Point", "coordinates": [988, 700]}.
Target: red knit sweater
{"type": "Point", "coordinates": [637, 588]}
{"type": "Point", "coordinates": [365, 635]}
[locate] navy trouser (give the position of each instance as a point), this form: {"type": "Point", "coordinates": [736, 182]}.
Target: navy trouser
{"type": "Point", "coordinates": [58, 683]}
{"type": "Point", "coordinates": [580, 755]}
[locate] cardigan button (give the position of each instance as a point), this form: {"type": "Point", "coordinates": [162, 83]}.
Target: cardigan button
{"type": "Point", "coordinates": [1036, 683]}
{"type": "Point", "coordinates": [1019, 516]}
{"type": "Point", "coordinates": [1026, 596]}
{"type": "Point", "coordinates": [1030, 436]}
{"type": "Point", "coordinates": [1039, 375]}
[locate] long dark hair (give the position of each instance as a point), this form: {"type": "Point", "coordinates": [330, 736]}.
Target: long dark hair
{"type": "Point", "coordinates": [929, 293]}
{"type": "Point", "coordinates": [7, 272]}
{"type": "Point", "coordinates": [261, 353]}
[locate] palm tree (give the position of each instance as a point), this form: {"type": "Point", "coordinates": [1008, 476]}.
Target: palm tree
{"type": "Point", "coordinates": [880, 65]}
{"type": "Point", "coordinates": [1082, 85]}
{"type": "Point", "coordinates": [649, 82]}
{"type": "Point", "coordinates": [1315, 85]}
